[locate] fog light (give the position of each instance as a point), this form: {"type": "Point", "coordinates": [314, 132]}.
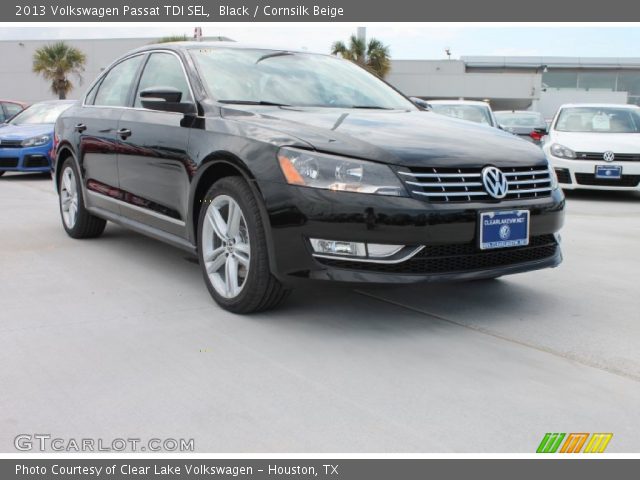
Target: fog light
{"type": "Point", "coordinates": [378, 250]}
{"type": "Point", "coordinates": [337, 247]}
{"type": "Point", "coordinates": [354, 249]}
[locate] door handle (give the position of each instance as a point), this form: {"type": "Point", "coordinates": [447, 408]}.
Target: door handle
{"type": "Point", "coordinates": [124, 133]}
{"type": "Point", "coordinates": [81, 127]}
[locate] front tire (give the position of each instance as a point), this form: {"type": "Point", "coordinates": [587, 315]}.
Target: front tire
{"type": "Point", "coordinates": [76, 219]}
{"type": "Point", "coordinates": [232, 249]}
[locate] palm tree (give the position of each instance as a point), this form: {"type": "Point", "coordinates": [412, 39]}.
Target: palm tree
{"type": "Point", "coordinates": [56, 62]}
{"type": "Point", "coordinates": [373, 55]}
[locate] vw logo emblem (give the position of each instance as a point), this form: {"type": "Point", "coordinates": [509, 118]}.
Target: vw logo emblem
{"type": "Point", "coordinates": [494, 181]}
{"type": "Point", "coordinates": [505, 232]}
{"type": "Point", "coordinates": [608, 156]}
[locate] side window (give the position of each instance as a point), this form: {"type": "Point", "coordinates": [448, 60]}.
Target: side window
{"type": "Point", "coordinates": [91, 96]}
{"type": "Point", "coordinates": [12, 109]}
{"type": "Point", "coordinates": [164, 70]}
{"type": "Point", "coordinates": [2, 115]}
{"type": "Point", "coordinates": [115, 87]}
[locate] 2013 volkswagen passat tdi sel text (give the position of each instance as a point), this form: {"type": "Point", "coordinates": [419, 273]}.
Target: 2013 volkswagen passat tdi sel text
{"type": "Point", "coordinates": [277, 166]}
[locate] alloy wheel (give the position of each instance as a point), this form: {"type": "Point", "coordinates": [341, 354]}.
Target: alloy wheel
{"type": "Point", "coordinates": [226, 247]}
{"type": "Point", "coordinates": [69, 197]}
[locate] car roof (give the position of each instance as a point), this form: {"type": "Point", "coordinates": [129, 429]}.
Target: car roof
{"type": "Point", "coordinates": [459, 102]}
{"type": "Point", "coordinates": [516, 111]}
{"type": "Point", "coordinates": [54, 102]}
{"type": "Point", "coordinates": [17, 102]}
{"type": "Point", "coordinates": [188, 45]}
{"type": "Point", "coordinates": [600, 105]}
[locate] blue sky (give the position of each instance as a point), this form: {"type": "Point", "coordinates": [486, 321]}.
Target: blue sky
{"type": "Point", "coordinates": [407, 41]}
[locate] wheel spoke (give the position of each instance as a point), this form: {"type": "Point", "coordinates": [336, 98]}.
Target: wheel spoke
{"type": "Point", "coordinates": [233, 219]}
{"type": "Point", "coordinates": [241, 257]}
{"type": "Point", "coordinates": [67, 182]}
{"type": "Point", "coordinates": [217, 223]}
{"type": "Point", "coordinates": [216, 263]}
{"type": "Point", "coordinates": [231, 276]}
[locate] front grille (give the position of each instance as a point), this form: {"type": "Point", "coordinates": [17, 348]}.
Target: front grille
{"type": "Point", "coordinates": [563, 175]}
{"type": "Point", "coordinates": [624, 181]}
{"type": "Point", "coordinates": [458, 258]}
{"type": "Point", "coordinates": [35, 161]}
{"type": "Point", "coordinates": [10, 143]}
{"type": "Point", "coordinates": [8, 162]}
{"type": "Point", "coordinates": [448, 184]}
{"type": "Point", "coordinates": [619, 157]}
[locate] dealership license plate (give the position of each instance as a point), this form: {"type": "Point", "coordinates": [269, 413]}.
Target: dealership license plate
{"type": "Point", "coordinates": [613, 172]}
{"type": "Point", "coordinates": [502, 229]}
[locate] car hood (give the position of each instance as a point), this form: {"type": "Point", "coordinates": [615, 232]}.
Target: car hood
{"type": "Point", "coordinates": [22, 132]}
{"type": "Point", "coordinates": [598, 142]}
{"type": "Point", "coordinates": [407, 138]}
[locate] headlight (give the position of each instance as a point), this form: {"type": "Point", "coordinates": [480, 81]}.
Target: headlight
{"type": "Point", "coordinates": [561, 151]}
{"type": "Point", "coordinates": [320, 170]}
{"type": "Point", "coordinates": [36, 141]}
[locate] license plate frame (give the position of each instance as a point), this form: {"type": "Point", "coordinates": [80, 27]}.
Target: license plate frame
{"type": "Point", "coordinates": [504, 229]}
{"type": "Point", "coordinates": [608, 172]}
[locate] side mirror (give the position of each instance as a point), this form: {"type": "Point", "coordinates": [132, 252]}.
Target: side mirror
{"type": "Point", "coordinates": [165, 99]}
{"type": "Point", "coordinates": [423, 104]}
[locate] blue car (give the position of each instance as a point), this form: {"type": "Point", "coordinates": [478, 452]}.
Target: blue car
{"type": "Point", "coordinates": [26, 140]}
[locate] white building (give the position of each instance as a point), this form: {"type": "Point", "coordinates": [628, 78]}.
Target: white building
{"type": "Point", "coordinates": [535, 83]}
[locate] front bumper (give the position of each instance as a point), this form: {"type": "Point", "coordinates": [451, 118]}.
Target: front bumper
{"type": "Point", "coordinates": [580, 174]}
{"type": "Point", "coordinates": [29, 159]}
{"type": "Point", "coordinates": [447, 231]}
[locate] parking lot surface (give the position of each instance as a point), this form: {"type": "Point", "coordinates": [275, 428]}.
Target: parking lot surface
{"type": "Point", "coordinates": [118, 337]}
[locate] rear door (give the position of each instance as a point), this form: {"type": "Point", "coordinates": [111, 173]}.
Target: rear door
{"type": "Point", "coordinates": [153, 164]}
{"type": "Point", "coordinates": [96, 126]}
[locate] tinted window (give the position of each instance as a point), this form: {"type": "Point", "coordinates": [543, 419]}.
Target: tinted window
{"type": "Point", "coordinates": [164, 70]}
{"type": "Point", "coordinates": [116, 86]}
{"type": "Point", "coordinates": [598, 119]}
{"type": "Point", "coordinates": [520, 119]}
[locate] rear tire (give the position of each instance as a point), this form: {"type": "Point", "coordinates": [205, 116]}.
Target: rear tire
{"type": "Point", "coordinates": [232, 249]}
{"type": "Point", "coordinates": [76, 219]}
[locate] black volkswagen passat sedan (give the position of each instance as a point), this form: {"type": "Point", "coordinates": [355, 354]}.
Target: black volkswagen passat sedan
{"type": "Point", "coordinates": [275, 166]}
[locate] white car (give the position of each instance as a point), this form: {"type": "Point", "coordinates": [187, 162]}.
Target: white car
{"type": "Point", "coordinates": [595, 146]}
{"type": "Point", "coordinates": [472, 111]}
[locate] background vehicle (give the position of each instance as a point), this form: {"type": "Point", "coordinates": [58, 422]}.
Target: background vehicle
{"type": "Point", "coordinates": [472, 111]}
{"type": "Point", "coordinates": [527, 125]}
{"type": "Point", "coordinates": [276, 166]}
{"type": "Point", "coordinates": [27, 139]}
{"type": "Point", "coordinates": [9, 108]}
{"type": "Point", "coordinates": [596, 146]}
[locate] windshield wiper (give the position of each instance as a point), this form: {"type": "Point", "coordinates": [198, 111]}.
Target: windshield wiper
{"type": "Point", "coordinates": [371, 107]}
{"type": "Point", "coordinates": [272, 55]}
{"type": "Point", "coordinates": [254, 102]}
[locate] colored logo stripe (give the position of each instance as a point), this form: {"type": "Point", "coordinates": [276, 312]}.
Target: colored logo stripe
{"type": "Point", "coordinates": [598, 442]}
{"type": "Point", "coordinates": [574, 443]}
{"type": "Point", "coordinates": [550, 443]}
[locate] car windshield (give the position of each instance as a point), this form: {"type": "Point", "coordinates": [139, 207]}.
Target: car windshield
{"type": "Point", "coordinates": [598, 120]}
{"type": "Point", "coordinates": [40, 113]}
{"type": "Point", "coordinates": [471, 113]}
{"type": "Point", "coordinates": [520, 119]}
{"type": "Point", "coordinates": [271, 77]}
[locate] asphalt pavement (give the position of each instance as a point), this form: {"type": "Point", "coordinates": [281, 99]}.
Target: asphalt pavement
{"type": "Point", "coordinates": [117, 337]}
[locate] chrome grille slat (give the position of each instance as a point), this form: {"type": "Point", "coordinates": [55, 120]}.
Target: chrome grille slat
{"type": "Point", "coordinates": [447, 184]}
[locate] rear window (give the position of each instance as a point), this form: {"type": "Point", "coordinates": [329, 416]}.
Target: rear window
{"type": "Point", "coordinates": [520, 119]}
